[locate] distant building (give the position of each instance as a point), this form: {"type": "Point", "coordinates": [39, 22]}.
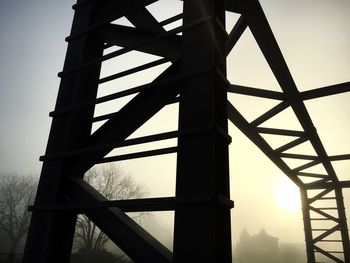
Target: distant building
{"type": "Point", "coordinates": [260, 248]}
{"type": "Point", "coordinates": [264, 248]}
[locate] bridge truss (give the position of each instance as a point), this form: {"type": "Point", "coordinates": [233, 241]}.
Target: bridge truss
{"type": "Point", "coordinates": [195, 53]}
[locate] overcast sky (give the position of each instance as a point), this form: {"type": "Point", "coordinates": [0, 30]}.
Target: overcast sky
{"type": "Point", "coordinates": [313, 36]}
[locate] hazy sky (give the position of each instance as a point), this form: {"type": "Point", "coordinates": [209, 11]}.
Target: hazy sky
{"type": "Point", "coordinates": [313, 36]}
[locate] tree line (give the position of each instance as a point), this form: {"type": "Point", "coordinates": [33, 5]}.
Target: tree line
{"type": "Point", "coordinates": [90, 243]}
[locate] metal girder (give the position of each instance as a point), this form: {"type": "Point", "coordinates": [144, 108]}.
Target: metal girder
{"type": "Point", "coordinates": [232, 6]}
{"type": "Point", "coordinates": [198, 76]}
{"type": "Point", "coordinates": [134, 10]}
{"type": "Point", "coordinates": [143, 19]}
{"type": "Point", "coordinates": [129, 118]}
{"type": "Point", "coordinates": [46, 241]}
{"type": "Point", "coordinates": [168, 46]}
{"type": "Point", "coordinates": [138, 205]}
{"type": "Point", "coordinates": [326, 91]}
{"type": "Point", "coordinates": [250, 131]}
{"type": "Point", "coordinates": [261, 93]}
{"type": "Point", "coordinates": [263, 35]}
{"type": "Point", "coordinates": [131, 9]}
{"type": "Point", "coordinates": [130, 237]}
{"type": "Point", "coordinates": [328, 185]}
{"type": "Point", "coordinates": [202, 233]}
{"type": "Point", "coordinates": [235, 34]}
{"type": "Point", "coordinates": [51, 233]}
{"type": "Point", "coordinates": [270, 113]}
{"type": "Point", "coordinates": [149, 36]}
{"type": "Point", "coordinates": [305, 95]}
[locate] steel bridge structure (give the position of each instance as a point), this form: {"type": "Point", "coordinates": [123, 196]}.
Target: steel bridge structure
{"type": "Point", "coordinates": [195, 79]}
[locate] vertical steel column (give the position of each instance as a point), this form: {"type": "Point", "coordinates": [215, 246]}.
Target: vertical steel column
{"type": "Point", "coordinates": [343, 223]}
{"type": "Point", "coordinates": [307, 227]}
{"type": "Point", "coordinates": [202, 233]}
{"type": "Point", "coordinates": [50, 233]}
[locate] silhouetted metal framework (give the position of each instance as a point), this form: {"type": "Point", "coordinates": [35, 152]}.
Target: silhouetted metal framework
{"type": "Point", "coordinates": [196, 79]}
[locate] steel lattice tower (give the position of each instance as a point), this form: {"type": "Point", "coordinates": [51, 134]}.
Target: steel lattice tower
{"type": "Point", "coordinates": [196, 80]}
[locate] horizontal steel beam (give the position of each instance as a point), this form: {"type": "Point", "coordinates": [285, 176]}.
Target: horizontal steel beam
{"type": "Point", "coordinates": [133, 70]}
{"type": "Point", "coordinates": [281, 132]}
{"type": "Point", "coordinates": [139, 205]}
{"type": "Point", "coordinates": [341, 157]}
{"type": "Point", "coordinates": [326, 91]}
{"type": "Point", "coordinates": [136, 155]}
{"type": "Point", "coordinates": [305, 95]}
{"type": "Point", "coordinates": [330, 185]}
{"type": "Point", "coordinates": [261, 93]}
{"type": "Point", "coordinates": [128, 142]}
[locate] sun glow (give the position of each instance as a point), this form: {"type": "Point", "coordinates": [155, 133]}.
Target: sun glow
{"type": "Point", "coordinates": [288, 196]}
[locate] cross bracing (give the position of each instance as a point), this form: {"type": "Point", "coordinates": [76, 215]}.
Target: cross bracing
{"type": "Point", "coordinates": [194, 77]}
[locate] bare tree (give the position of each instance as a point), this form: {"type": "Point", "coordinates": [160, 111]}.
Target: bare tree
{"type": "Point", "coordinates": [16, 193]}
{"type": "Point", "coordinates": [114, 184]}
